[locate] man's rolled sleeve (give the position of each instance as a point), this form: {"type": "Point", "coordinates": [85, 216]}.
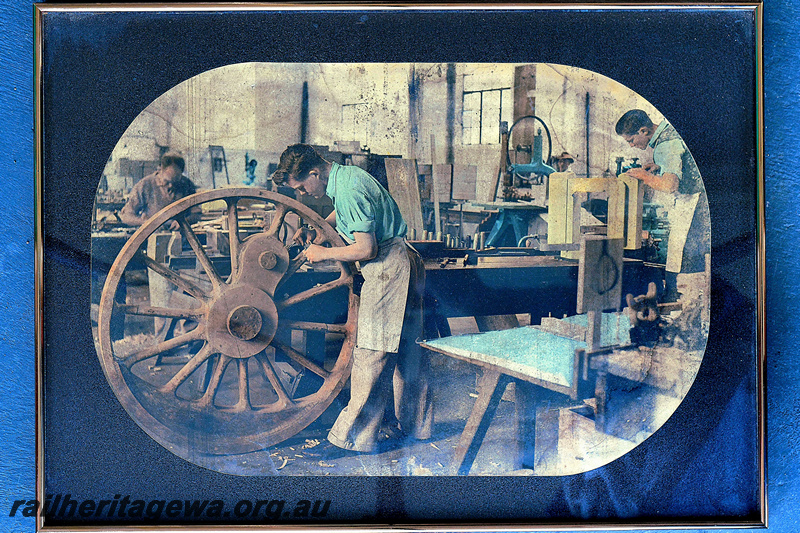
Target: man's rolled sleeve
{"type": "Point", "coordinates": [362, 226]}
{"type": "Point", "coordinates": [360, 214]}
{"type": "Point", "coordinates": [135, 205]}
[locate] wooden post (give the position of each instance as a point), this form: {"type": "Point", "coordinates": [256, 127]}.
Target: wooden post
{"type": "Point", "coordinates": [437, 218]}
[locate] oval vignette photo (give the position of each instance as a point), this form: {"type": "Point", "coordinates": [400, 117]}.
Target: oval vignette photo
{"type": "Point", "coordinates": [533, 297]}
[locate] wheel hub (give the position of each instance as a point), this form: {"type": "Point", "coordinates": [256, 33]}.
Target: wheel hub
{"type": "Point", "coordinates": [242, 321]}
{"type": "Point", "coordinates": [245, 322]}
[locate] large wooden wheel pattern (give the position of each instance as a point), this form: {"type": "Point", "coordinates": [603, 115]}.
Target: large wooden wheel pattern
{"type": "Point", "coordinates": [229, 391]}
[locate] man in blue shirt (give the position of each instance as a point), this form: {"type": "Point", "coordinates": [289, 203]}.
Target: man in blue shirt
{"type": "Point", "coordinates": [388, 383]}
{"type": "Point", "coordinates": [675, 172]}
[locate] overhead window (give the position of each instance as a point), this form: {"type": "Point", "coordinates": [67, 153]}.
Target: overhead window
{"type": "Point", "coordinates": [483, 111]}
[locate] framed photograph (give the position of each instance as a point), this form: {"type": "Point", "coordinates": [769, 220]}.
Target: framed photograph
{"type": "Point", "coordinates": [425, 267]}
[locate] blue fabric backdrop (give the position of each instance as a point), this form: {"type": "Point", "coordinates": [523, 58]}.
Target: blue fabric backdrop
{"type": "Point", "coordinates": [17, 391]}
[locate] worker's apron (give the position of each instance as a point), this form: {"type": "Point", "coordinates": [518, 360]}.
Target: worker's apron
{"type": "Point", "coordinates": [387, 390]}
{"type": "Point", "coordinates": [680, 220]}
{"type": "Point", "coordinates": [383, 297]}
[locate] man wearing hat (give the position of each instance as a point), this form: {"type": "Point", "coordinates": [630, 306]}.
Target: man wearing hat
{"type": "Point", "coordinates": [563, 161]}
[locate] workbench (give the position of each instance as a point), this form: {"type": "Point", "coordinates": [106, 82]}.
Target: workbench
{"type": "Point", "coordinates": [541, 364]}
{"type": "Point", "coordinates": [539, 285]}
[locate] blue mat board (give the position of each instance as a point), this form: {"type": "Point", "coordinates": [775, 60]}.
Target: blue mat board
{"type": "Point", "coordinates": [781, 59]}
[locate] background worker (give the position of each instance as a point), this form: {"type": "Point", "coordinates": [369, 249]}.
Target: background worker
{"type": "Point", "coordinates": [250, 172]}
{"type": "Point", "coordinates": [674, 172]}
{"type": "Point", "coordinates": [149, 196]}
{"type": "Point", "coordinates": [389, 394]}
{"type": "Point", "coordinates": [562, 162]}
{"type": "Point", "coordinates": [156, 191]}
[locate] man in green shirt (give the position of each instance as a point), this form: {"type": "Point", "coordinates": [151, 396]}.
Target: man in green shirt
{"type": "Point", "coordinates": [388, 383]}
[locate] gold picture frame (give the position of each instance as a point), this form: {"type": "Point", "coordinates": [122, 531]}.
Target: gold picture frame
{"type": "Point", "coordinates": [101, 75]}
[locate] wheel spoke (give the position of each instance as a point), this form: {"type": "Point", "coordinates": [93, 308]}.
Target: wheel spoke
{"type": "Point", "coordinates": [147, 310]}
{"type": "Point", "coordinates": [182, 283]}
{"type": "Point", "coordinates": [194, 363]}
{"type": "Point", "coordinates": [216, 378]}
{"type": "Point", "coordinates": [274, 380]}
{"type": "Point", "coordinates": [314, 291]}
{"type": "Point", "coordinates": [313, 326]}
{"type": "Point", "coordinates": [161, 347]}
{"type": "Point", "coordinates": [301, 359]}
{"type": "Point", "coordinates": [200, 252]}
{"type": "Point", "coordinates": [244, 387]}
{"type": "Point", "coordinates": [277, 220]}
{"type": "Point", "coordinates": [233, 232]}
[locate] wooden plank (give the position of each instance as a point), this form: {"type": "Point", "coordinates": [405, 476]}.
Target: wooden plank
{"type": "Point", "coordinates": [486, 182]}
{"type": "Point", "coordinates": [490, 390]}
{"type": "Point", "coordinates": [634, 196]}
{"type": "Point", "coordinates": [557, 209]}
{"type": "Point", "coordinates": [465, 180]}
{"type": "Point", "coordinates": [594, 330]}
{"type": "Point", "coordinates": [443, 181]}
{"type": "Point", "coordinates": [616, 210]}
{"type": "Point", "coordinates": [404, 188]}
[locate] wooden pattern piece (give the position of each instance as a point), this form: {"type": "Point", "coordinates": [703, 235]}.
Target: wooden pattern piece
{"type": "Point", "coordinates": [404, 188]}
{"type": "Point", "coordinates": [634, 201]}
{"type": "Point", "coordinates": [558, 210]}
{"type": "Point", "coordinates": [600, 274]}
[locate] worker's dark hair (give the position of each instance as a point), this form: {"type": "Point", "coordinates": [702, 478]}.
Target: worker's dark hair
{"type": "Point", "coordinates": [296, 162]}
{"type": "Point", "coordinates": [173, 158]}
{"type": "Point", "coordinates": [632, 121]}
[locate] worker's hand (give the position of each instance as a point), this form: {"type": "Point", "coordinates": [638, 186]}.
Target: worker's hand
{"type": "Point", "coordinates": [315, 253]}
{"type": "Point", "coordinates": [304, 235]}
{"type": "Point", "coordinates": [652, 168]}
{"type": "Point", "coordinates": [173, 225]}
{"type": "Point", "coordinates": [639, 174]}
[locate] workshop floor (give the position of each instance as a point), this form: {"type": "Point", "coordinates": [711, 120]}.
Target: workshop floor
{"type": "Point", "coordinates": [569, 441]}
{"type": "Point", "coordinates": [309, 453]}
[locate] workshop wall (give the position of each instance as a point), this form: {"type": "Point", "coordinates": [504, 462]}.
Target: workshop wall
{"type": "Point", "coordinates": [239, 107]}
{"type": "Point", "coordinates": [368, 103]}
{"type": "Point", "coordinates": [254, 110]}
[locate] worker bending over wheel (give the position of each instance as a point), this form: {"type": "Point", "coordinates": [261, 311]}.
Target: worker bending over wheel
{"type": "Point", "coordinates": [389, 396]}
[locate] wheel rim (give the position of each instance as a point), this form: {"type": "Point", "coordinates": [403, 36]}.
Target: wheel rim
{"type": "Point", "coordinates": [228, 391]}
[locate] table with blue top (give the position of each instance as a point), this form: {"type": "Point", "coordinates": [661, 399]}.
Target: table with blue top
{"type": "Point", "coordinates": [541, 363]}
